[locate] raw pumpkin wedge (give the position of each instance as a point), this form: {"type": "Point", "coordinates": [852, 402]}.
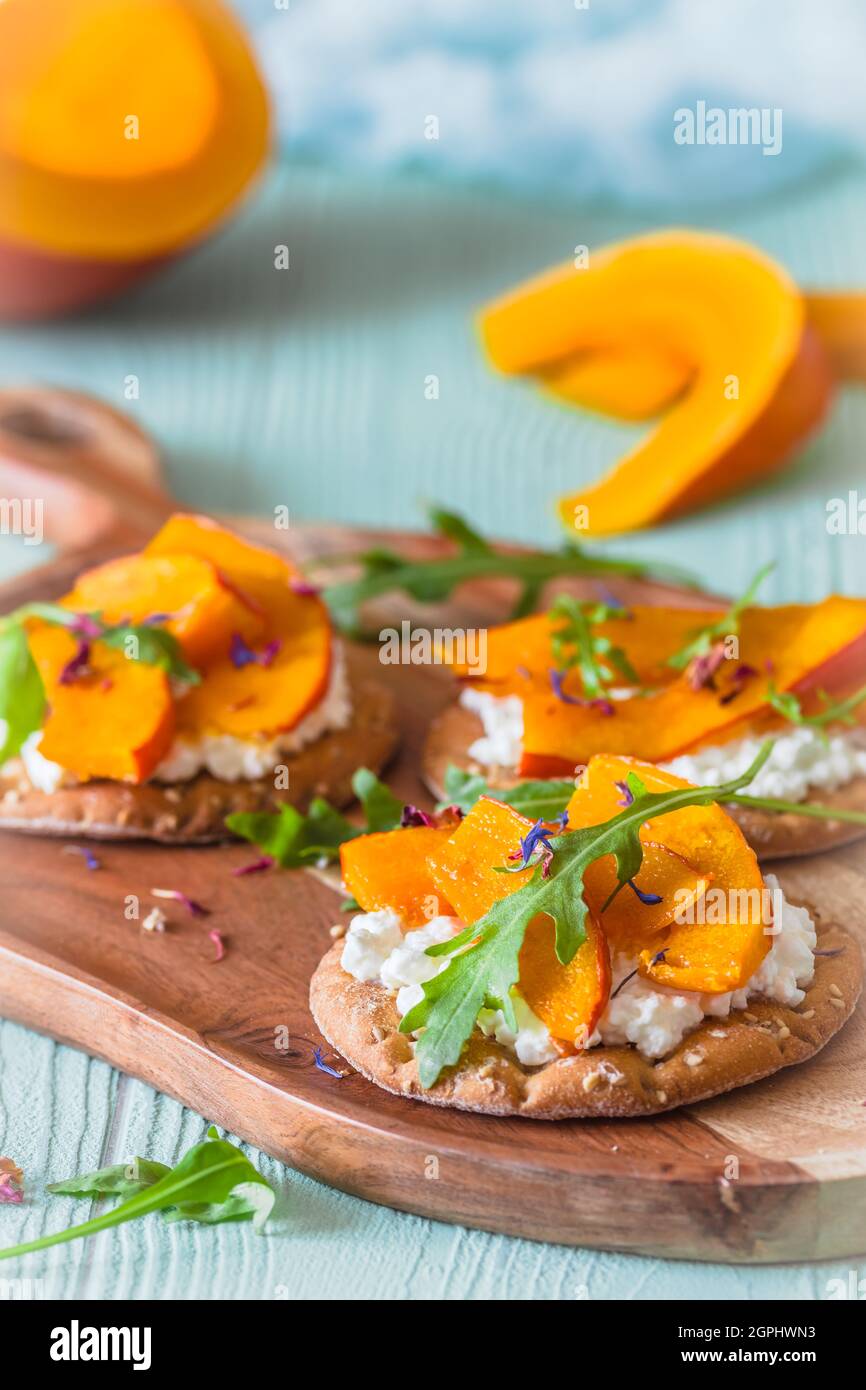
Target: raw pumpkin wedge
{"type": "Point", "coordinates": [569, 999]}
{"type": "Point", "coordinates": [808, 647]}
{"type": "Point", "coordinates": [630, 381]}
{"type": "Point", "coordinates": [204, 610]}
{"type": "Point", "coordinates": [117, 721]}
{"type": "Point", "coordinates": [839, 319]}
{"type": "Point", "coordinates": [711, 956]}
{"type": "Point", "coordinates": [389, 869]}
{"type": "Point", "coordinates": [761, 380]}
{"type": "Point", "coordinates": [261, 575]}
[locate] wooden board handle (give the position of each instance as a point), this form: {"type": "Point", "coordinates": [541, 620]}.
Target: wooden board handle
{"type": "Point", "coordinates": [94, 471]}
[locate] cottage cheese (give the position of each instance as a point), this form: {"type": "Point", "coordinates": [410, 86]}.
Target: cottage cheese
{"type": "Point", "coordinates": [800, 761]}
{"type": "Point", "coordinates": [222, 755]}
{"type": "Point", "coordinates": [651, 1017]}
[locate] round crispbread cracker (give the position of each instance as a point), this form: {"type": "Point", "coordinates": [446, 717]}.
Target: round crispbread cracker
{"type": "Point", "coordinates": [361, 1021]}
{"type": "Point", "coordinates": [194, 812]}
{"type": "Point", "coordinates": [772, 835]}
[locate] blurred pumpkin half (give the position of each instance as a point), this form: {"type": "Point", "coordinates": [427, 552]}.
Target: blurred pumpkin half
{"type": "Point", "coordinates": [128, 129]}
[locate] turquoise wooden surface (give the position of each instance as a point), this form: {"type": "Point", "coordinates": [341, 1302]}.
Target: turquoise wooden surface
{"type": "Point", "coordinates": [307, 387]}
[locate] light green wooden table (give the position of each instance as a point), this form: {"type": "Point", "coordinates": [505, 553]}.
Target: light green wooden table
{"type": "Point", "coordinates": [307, 387]}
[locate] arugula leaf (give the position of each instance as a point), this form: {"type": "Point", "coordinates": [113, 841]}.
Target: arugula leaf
{"type": "Point", "coordinates": [293, 839]}
{"type": "Point", "coordinates": [543, 800]}
{"type": "Point", "coordinates": [121, 1180]}
{"type": "Point", "coordinates": [22, 694]}
{"type": "Point", "coordinates": [785, 702]}
{"type": "Point", "coordinates": [703, 638]}
{"type": "Point", "coordinates": [575, 643]}
{"type": "Point", "coordinates": [155, 646]}
{"type": "Point", "coordinates": [483, 974]}
{"type": "Point", "coordinates": [431, 581]}
{"type": "Point", "coordinates": [382, 809]}
{"type": "Point", "coordinates": [213, 1181]}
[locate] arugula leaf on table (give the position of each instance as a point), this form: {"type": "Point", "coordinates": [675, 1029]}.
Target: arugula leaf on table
{"type": "Point", "coordinates": [703, 638]}
{"type": "Point", "coordinates": [543, 800]}
{"type": "Point", "coordinates": [486, 964]}
{"type": "Point", "coordinates": [431, 581]}
{"type": "Point", "coordinates": [213, 1182]}
{"type": "Point", "coordinates": [120, 1180]}
{"type": "Point", "coordinates": [294, 840]}
{"type": "Point", "coordinates": [576, 644]}
{"type": "Point", "coordinates": [785, 702]}
{"type": "Point", "coordinates": [22, 694]}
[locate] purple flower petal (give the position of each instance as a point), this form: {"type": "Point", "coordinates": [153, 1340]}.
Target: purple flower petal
{"type": "Point", "coordinates": [88, 856]}
{"type": "Point", "coordinates": [77, 665]}
{"type": "Point", "coordinates": [216, 938]}
{"type": "Point", "coordinates": [627, 797]}
{"type": "Point", "coordinates": [319, 1059]}
{"type": "Point", "coordinates": [556, 680]}
{"type": "Point", "coordinates": [648, 899]}
{"type": "Point", "coordinates": [412, 816]}
{"type": "Point", "coordinates": [193, 908]}
{"type": "Point", "coordinates": [85, 626]}
{"type": "Point", "coordinates": [703, 668]}
{"type": "Point", "coordinates": [241, 654]}
{"type": "Point", "coordinates": [258, 866]}
{"type": "Point", "coordinates": [303, 588]}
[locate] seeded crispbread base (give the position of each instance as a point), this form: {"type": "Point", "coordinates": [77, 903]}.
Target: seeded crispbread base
{"type": "Point", "coordinates": [361, 1021]}
{"type": "Point", "coordinates": [772, 835]}
{"type": "Point", "coordinates": [194, 812]}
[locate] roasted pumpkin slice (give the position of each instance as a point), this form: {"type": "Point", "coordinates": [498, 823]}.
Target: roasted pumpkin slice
{"type": "Point", "coordinates": [720, 935]}
{"type": "Point", "coordinates": [201, 609]}
{"type": "Point", "coordinates": [389, 869]}
{"type": "Point", "coordinates": [115, 720]}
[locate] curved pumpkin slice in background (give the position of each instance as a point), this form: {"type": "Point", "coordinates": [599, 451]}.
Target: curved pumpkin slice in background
{"type": "Point", "coordinates": [206, 610]}
{"type": "Point", "coordinates": [710, 957]}
{"type": "Point", "coordinates": [569, 999]}
{"type": "Point", "coordinates": [761, 381]}
{"type": "Point", "coordinates": [627, 381]}
{"type": "Point", "coordinates": [389, 869]}
{"type": "Point", "coordinates": [117, 721]}
{"type": "Point", "coordinates": [839, 319]}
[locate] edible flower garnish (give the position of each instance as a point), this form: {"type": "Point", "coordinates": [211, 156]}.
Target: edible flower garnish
{"type": "Point", "coordinates": [536, 845]}
{"type": "Point", "coordinates": [556, 679]}
{"type": "Point", "coordinates": [319, 1060]}
{"type": "Point", "coordinates": [303, 589]}
{"type": "Point", "coordinates": [743, 673]}
{"type": "Point", "coordinates": [216, 938]}
{"type": "Point", "coordinates": [627, 794]}
{"type": "Point", "coordinates": [193, 908]}
{"type": "Point", "coordinates": [444, 815]}
{"type": "Point", "coordinates": [241, 654]}
{"type": "Point", "coordinates": [77, 665]}
{"type": "Point", "coordinates": [577, 645]}
{"type": "Point", "coordinates": [702, 669]}
{"type": "Point", "coordinates": [87, 855]}
{"type": "Point", "coordinates": [431, 581]}
{"type": "Point", "coordinates": [258, 866]}
{"type": "Point", "coordinates": [648, 899]}
{"type": "Point", "coordinates": [728, 625]}
{"type": "Point", "coordinates": [11, 1181]}
{"type": "Point", "coordinates": [785, 702]}
{"type": "Point", "coordinates": [213, 1182]}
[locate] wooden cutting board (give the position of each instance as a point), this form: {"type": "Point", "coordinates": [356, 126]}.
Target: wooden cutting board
{"type": "Point", "coordinates": [776, 1171]}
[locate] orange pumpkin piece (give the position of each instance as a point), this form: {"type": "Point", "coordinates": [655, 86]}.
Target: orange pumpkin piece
{"type": "Point", "coordinates": [569, 999]}
{"type": "Point", "coordinates": [630, 381]}
{"type": "Point", "coordinates": [389, 869]}
{"type": "Point", "coordinates": [206, 611]}
{"type": "Point", "coordinates": [809, 646]}
{"type": "Point", "coordinates": [709, 301]}
{"type": "Point", "coordinates": [723, 947]}
{"type": "Point", "coordinates": [520, 655]}
{"type": "Point", "coordinates": [117, 721]}
{"type": "Point", "coordinates": [255, 699]}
